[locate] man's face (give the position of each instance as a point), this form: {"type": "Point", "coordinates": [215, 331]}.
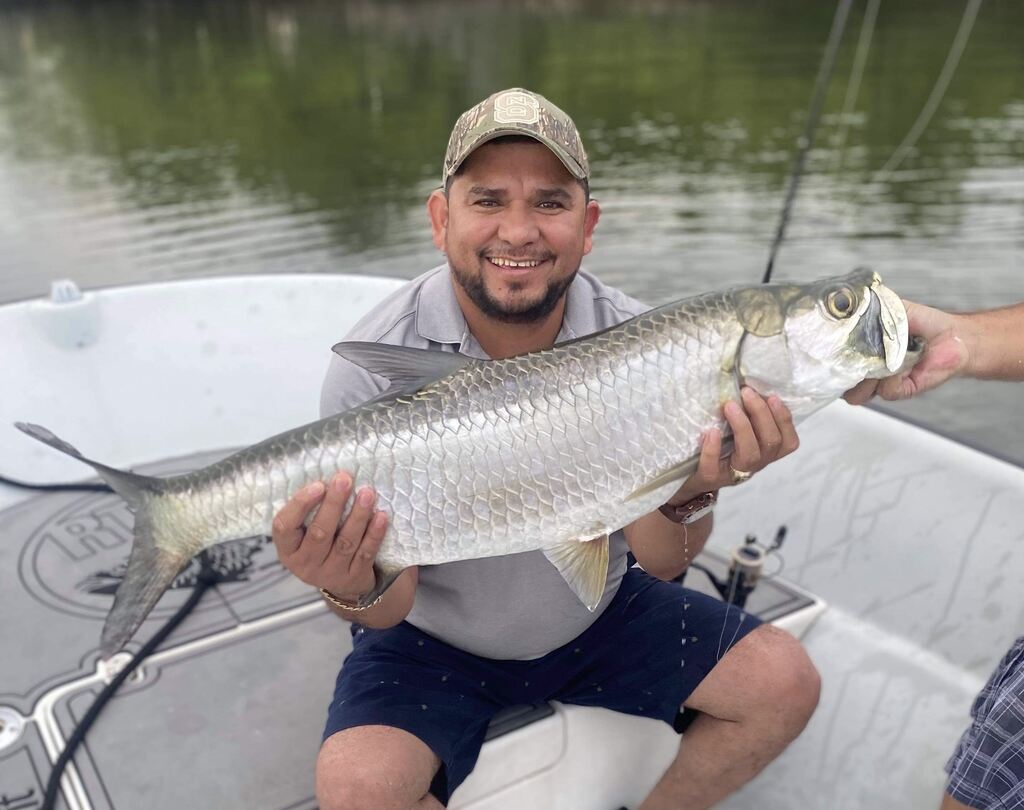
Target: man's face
{"type": "Point", "coordinates": [515, 226]}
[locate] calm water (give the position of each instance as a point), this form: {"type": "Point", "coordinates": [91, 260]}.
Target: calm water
{"type": "Point", "coordinates": [160, 140]}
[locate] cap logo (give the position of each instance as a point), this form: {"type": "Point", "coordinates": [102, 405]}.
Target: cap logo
{"type": "Point", "coordinates": [516, 108]}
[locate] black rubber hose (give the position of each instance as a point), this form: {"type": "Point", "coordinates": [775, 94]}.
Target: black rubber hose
{"type": "Point", "coordinates": [207, 577]}
{"type": "Point", "coordinates": [83, 487]}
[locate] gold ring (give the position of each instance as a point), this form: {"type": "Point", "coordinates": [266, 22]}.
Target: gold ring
{"type": "Point", "coordinates": [739, 476]}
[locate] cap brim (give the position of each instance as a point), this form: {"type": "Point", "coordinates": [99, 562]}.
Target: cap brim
{"type": "Point", "coordinates": [570, 164]}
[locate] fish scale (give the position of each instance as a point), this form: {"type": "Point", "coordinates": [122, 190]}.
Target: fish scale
{"type": "Point", "coordinates": [590, 444]}
{"type": "Point", "coordinates": [549, 450]}
{"type": "Point", "coordinates": [467, 424]}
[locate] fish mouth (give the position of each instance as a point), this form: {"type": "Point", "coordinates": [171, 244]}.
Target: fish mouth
{"type": "Point", "coordinates": [887, 310]}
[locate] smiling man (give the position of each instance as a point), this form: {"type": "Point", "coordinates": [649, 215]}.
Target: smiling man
{"type": "Point", "coordinates": [448, 646]}
{"type": "Point", "coordinates": [515, 225]}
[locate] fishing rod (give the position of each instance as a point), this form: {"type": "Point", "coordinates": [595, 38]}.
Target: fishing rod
{"type": "Point", "coordinates": [828, 62]}
{"type": "Point", "coordinates": [747, 562]}
{"type": "Point", "coordinates": [747, 559]}
{"type": "Point", "coordinates": [746, 567]}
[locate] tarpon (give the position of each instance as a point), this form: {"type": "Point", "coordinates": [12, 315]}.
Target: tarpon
{"type": "Point", "coordinates": [550, 450]}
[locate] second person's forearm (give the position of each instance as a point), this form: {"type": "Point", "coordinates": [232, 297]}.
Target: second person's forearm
{"type": "Point", "coordinates": [995, 343]}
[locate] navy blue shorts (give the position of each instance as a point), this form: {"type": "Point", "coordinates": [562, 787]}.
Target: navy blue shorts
{"type": "Point", "coordinates": [644, 655]}
{"type": "Point", "coordinates": [987, 768]}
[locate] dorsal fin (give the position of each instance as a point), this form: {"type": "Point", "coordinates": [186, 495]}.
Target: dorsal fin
{"type": "Point", "coordinates": [408, 369]}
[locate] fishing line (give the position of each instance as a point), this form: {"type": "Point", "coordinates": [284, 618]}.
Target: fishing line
{"type": "Point", "coordinates": [733, 583]}
{"type": "Point", "coordinates": [860, 58]}
{"type": "Point", "coordinates": [828, 60]}
{"type": "Point", "coordinates": [938, 91]}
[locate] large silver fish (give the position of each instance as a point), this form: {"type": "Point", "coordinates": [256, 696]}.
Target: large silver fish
{"type": "Point", "coordinates": [550, 450]}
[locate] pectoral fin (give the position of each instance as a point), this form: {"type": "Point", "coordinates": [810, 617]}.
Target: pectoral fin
{"type": "Point", "coordinates": [583, 563]}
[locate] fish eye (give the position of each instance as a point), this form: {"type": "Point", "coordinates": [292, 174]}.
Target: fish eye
{"type": "Point", "coordinates": [840, 303]}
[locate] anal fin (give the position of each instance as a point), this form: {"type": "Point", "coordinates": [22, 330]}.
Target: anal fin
{"type": "Point", "coordinates": [583, 563]}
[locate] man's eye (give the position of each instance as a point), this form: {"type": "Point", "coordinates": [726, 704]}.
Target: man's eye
{"type": "Point", "coordinates": [486, 203]}
{"type": "Point", "coordinates": [551, 205]}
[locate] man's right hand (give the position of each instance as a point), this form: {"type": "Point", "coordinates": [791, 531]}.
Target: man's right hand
{"type": "Point", "coordinates": [331, 553]}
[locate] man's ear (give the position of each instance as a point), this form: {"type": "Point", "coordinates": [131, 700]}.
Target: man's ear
{"type": "Point", "coordinates": [590, 218]}
{"type": "Point", "coordinates": [437, 210]}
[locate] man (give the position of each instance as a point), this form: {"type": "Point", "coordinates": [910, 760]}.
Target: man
{"type": "Point", "coordinates": [448, 646]}
{"type": "Point", "coordinates": [987, 768]}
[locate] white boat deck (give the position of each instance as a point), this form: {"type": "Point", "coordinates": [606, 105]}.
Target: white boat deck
{"type": "Point", "coordinates": [914, 542]}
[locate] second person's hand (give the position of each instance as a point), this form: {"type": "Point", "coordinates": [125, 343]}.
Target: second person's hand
{"type": "Point", "coordinates": [945, 356]}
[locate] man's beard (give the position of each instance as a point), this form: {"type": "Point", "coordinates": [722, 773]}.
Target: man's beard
{"type": "Point", "coordinates": [531, 312]}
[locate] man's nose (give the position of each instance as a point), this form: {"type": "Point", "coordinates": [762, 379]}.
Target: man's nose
{"type": "Point", "coordinates": [518, 226]}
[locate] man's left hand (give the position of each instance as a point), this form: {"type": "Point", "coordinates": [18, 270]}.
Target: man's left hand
{"type": "Point", "coordinates": [763, 432]}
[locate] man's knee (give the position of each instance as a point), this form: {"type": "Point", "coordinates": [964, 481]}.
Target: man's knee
{"type": "Point", "coordinates": [353, 789]}
{"type": "Point", "coordinates": [784, 675]}
{"type": "Point", "coordinates": [766, 677]}
{"type": "Point", "coordinates": [373, 768]}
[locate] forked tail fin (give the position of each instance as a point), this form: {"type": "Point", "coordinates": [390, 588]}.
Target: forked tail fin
{"type": "Point", "coordinates": [151, 569]}
{"type": "Point", "coordinates": [133, 488]}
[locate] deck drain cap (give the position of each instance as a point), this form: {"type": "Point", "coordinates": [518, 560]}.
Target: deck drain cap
{"type": "Point", "coordinates": [11, 725]}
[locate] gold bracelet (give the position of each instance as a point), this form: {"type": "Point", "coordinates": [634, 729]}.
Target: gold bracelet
{"type": "Point", "coordinates": [334, 600]}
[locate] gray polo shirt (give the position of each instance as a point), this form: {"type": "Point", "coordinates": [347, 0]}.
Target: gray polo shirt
{"type": "Point", "coordinates": [515, 606]}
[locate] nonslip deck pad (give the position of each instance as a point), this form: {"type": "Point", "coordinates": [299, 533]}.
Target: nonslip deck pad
{"type": "Point", "coordinates": [24, 769]}
{"type": "Point", "coordinates": [237, 725]}
{"type": "Point", "coordinates": [62, 556]}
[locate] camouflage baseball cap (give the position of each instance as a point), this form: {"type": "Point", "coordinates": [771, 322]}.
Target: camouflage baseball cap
{"type": "Point", "coordinates": [516, 112]}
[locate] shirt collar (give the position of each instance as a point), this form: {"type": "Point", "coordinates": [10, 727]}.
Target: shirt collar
{"type": "Point", "coordinates": [439, 317]}
{"type": "Point", "coordinates": [580, 318]}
